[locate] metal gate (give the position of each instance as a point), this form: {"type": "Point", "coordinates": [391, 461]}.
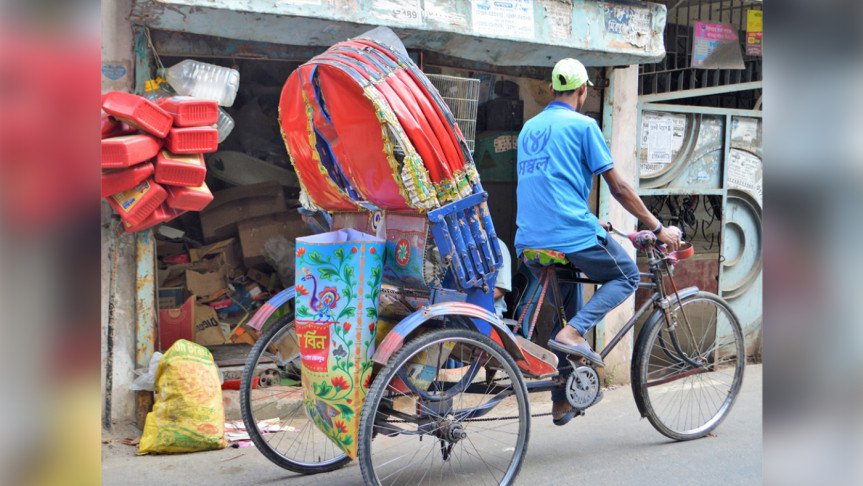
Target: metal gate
{"type": "Point", "coordinates": [714, 154]}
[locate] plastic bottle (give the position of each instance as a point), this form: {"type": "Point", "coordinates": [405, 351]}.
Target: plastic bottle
{"type": "Point", "coordinates": [114, 181]}
{"type": "Point", "coordinates": [127, 150]}
{"type": "Point", "coordinates": [204, 80]}
{"type": "Point", "coordinates": [190, 112]}
{"type": "Point", "coordinates": [157, 88]}
{"type": "Point", "coordinates": [138, 112]}
{"type": "Point", "coordinates": [180, 170]}
{"type": "Point", "coordinates": [192, 140]}
{"type": "Point", "coordinates": [225, 125]}
{"type": "Point", "coordinates": [189, 198]}
{"type": "Point", "coordinates": [139, 202]}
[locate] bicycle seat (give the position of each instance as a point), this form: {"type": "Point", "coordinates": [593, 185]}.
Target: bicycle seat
{"type": "Point", "coordinates": [544, 257]}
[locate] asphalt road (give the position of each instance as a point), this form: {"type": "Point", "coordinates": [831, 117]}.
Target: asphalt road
{"type": "Point", "coordinates": [610, 445]}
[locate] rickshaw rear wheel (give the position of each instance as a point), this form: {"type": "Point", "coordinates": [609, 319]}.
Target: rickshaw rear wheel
{"type": "Point", "coordinates": [435, 411]}
{"type": "Point", "coordinates": [272, 409]}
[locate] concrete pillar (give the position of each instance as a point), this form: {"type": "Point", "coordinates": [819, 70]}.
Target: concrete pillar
{"type": "Point", "coordinates": [620, 117]}
{"type": "Point", "coordinates": [118, 248]}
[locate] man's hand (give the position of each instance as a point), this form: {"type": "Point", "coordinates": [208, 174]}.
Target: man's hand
{"type": "Point", "coordinates": [606, 225]}
{"type": "Point", "coordinates": [671, 237]}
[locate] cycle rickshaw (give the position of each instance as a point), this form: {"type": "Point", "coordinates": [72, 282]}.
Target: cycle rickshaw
{"type": "Point", "coordinates": [446, 396]}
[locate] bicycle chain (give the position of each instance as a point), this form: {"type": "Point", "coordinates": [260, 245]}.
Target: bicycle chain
{"type": "Point", "coordinates": [511, 417]}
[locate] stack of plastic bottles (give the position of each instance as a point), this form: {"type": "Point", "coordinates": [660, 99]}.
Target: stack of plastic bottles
{"type": "Point", "coordinates": [152, 149]}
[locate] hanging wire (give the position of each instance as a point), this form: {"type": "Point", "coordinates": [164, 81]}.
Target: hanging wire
{"type": "Point", "coordinates": [153, 49]}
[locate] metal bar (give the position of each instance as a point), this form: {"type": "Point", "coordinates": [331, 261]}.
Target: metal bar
{"type": "Point", "coordinates": [627, 327]}
{"type": "Point", "coordinates": [707, 110]}
{"type": "Point", "coordinates": [679, 192]}
{"type": "Point", "coordinates": [692, 93]}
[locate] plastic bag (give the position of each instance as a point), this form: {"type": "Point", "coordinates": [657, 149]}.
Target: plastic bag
{"type": "Point", "coordinates": [188, 414]}
{"type": "Point", "coordinates": [146, 377]}
{"type": "Point", "coordinates": [279, 252]}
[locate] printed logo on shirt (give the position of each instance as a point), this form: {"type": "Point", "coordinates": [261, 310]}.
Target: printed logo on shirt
{"type": "Point", "coordinates": [531, 165]}
{"type": "Point", "coordinates": [535, 141]}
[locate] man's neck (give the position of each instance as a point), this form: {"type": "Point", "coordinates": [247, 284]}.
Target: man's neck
{"type": "Point", "coordinates": [573, 106]}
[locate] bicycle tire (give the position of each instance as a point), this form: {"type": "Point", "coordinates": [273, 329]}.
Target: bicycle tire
{"type": "Point", "coordinates": [283, 324]}
{"type": "Point", "coordinates": [651, 372]}
{"type": "Point", "coordinates": [368, 432]}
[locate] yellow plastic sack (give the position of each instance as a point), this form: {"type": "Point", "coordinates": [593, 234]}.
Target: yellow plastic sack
{"type": "Point", "coordinates": [188, 414]}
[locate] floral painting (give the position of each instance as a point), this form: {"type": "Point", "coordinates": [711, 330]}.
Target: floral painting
{"type": "Point", "coordinates": [338, 282]}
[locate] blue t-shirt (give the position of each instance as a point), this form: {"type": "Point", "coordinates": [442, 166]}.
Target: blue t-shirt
{"type": "Point", "coordinates": [559, 152]}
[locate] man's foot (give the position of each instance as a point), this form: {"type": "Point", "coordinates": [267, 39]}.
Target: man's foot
{"type": "Point", "coordinates": [569, 341]}
{"type": "Point", "coordinates": [562, 413]}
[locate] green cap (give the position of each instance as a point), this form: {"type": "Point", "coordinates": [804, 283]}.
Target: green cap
{"type": "Point", "coordinates": [569, 74]}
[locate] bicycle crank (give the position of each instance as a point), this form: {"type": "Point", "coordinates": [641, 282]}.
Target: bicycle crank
{"type": "Point", "coordinates": [582, 388]}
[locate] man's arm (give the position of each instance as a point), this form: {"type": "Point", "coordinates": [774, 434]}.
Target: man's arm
{"type": "Point", "coordinates": [628, 198]}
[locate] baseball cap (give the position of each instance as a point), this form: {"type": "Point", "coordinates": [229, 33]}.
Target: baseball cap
{"type": "Point", "coordinates": [569, 74]}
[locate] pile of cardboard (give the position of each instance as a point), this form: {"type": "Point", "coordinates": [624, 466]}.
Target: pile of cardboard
{"type": "Point", "coordinates": [208, 289]}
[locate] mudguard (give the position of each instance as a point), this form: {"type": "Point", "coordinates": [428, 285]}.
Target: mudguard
{"type": "Point", "coordinates": [263, 315]}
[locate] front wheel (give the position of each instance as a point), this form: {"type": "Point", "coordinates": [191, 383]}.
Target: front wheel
{"type": "Point", "coordinates": [450, 407]}
{"type": "Point", "coordinates": [687, 372]}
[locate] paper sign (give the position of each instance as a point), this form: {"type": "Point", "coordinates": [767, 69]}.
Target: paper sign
{"type": "Point", "coordinates": [513, 18]}
{"type": "Point", "coordinates": [661, 139]}
{"type": "Point", "coordinates": [405, 12]}
{"type": "Point", "coordinates": [754, 32]}
{"type": "Point", "coordinates": [745, 172]}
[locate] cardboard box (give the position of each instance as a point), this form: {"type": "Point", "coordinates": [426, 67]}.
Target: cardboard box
{"type": "Point", "coordinates": [230, 206]}
{"type": "Point", "coordinates": [229, 249]}
{"type": "Point", "coordinates": [254, 234]}
{"type": "Point", "coordinates": [206, 284]}
{"type": "Point", "coordinates": [190, 321]}
{"type": "Point", "coordinates": [171, 297]}
{"type": "Point", "coordinates": [265, 280]}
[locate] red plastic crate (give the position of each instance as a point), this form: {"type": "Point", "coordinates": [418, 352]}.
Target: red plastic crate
{"type": "Point", "coordinates": [139, 202]}
{"type": "Point", "coordinates": [162, 214]}
{"type": "Point", "coordinates": [139, 112]}
{"type": "Point", "coordinates": [189, 198]}
{"type": "Point", "coordinates": [127, 150]}
{"type": "Point", "coordinates": [120, 180]}
{"type": "Point", "coordinates": [180, 169]}
{"type": "Point", "coordinates": [190, 112]}
{"type": "Point", "coordinates": [193, 140]}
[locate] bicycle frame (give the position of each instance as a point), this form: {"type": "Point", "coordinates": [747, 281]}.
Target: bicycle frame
{"type": "Point", "coordinates": [659, 300]}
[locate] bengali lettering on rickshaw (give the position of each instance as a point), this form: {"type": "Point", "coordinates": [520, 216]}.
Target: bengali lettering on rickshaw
{"type": "Point", "coordinates": [314, 341]}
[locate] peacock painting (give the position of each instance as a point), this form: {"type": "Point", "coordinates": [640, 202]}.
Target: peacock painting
{"type": "Point", "coordinates": [323, 303]}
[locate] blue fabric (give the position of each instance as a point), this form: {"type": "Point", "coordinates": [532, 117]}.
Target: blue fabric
{"type": "Point", "coordinates": [606, 262]}
{"type": "Point", "coordinates": [559, 152]}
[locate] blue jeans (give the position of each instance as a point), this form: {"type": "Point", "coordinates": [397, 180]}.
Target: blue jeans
{"type": "Point", "coordinates": [609, 264]}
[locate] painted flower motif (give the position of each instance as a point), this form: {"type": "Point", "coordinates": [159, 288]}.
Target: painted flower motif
{"type": "Point", "coordinates": [347, 326]}
{"type": "Point", "coordinates": [367, 381]}
{"type": "Point", "coordinates": [301, 251]}
{"type": "Point", "coordinates": [302, 290]}
{"type": "Point", "coordinates": [354, 249]}
{"type": "Point", "coordinates": [343, 429]}
{"type": "Point", "coordinates": [350, 401]}
{"type": "Point", "coordinates": [340, 383]}
{"type": "Point", "coordinates": [372, 327]}
{"type": "Point", "coordinates": [372, 250]}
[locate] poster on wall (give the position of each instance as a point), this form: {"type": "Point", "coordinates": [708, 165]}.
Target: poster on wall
{"type": "Point", "coordinates": [745, 173]}
{"type": "Point", "coordinates": [716, 46]}
{"type": "Point", "coordinates": [754, 32]}
{"type": "Point", "coordinates": [661, 140]}
{"type": "Point", "coordinates": [513, 18]}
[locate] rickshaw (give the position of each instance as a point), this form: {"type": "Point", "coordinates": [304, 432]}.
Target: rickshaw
{"type": "Point", "coordinates": [446, 396]}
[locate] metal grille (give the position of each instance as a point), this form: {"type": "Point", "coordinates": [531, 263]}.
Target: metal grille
{"type": "Point", "coordinates": [462, 97]}
{"type": "Point", "coordinates": [674, 73]}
